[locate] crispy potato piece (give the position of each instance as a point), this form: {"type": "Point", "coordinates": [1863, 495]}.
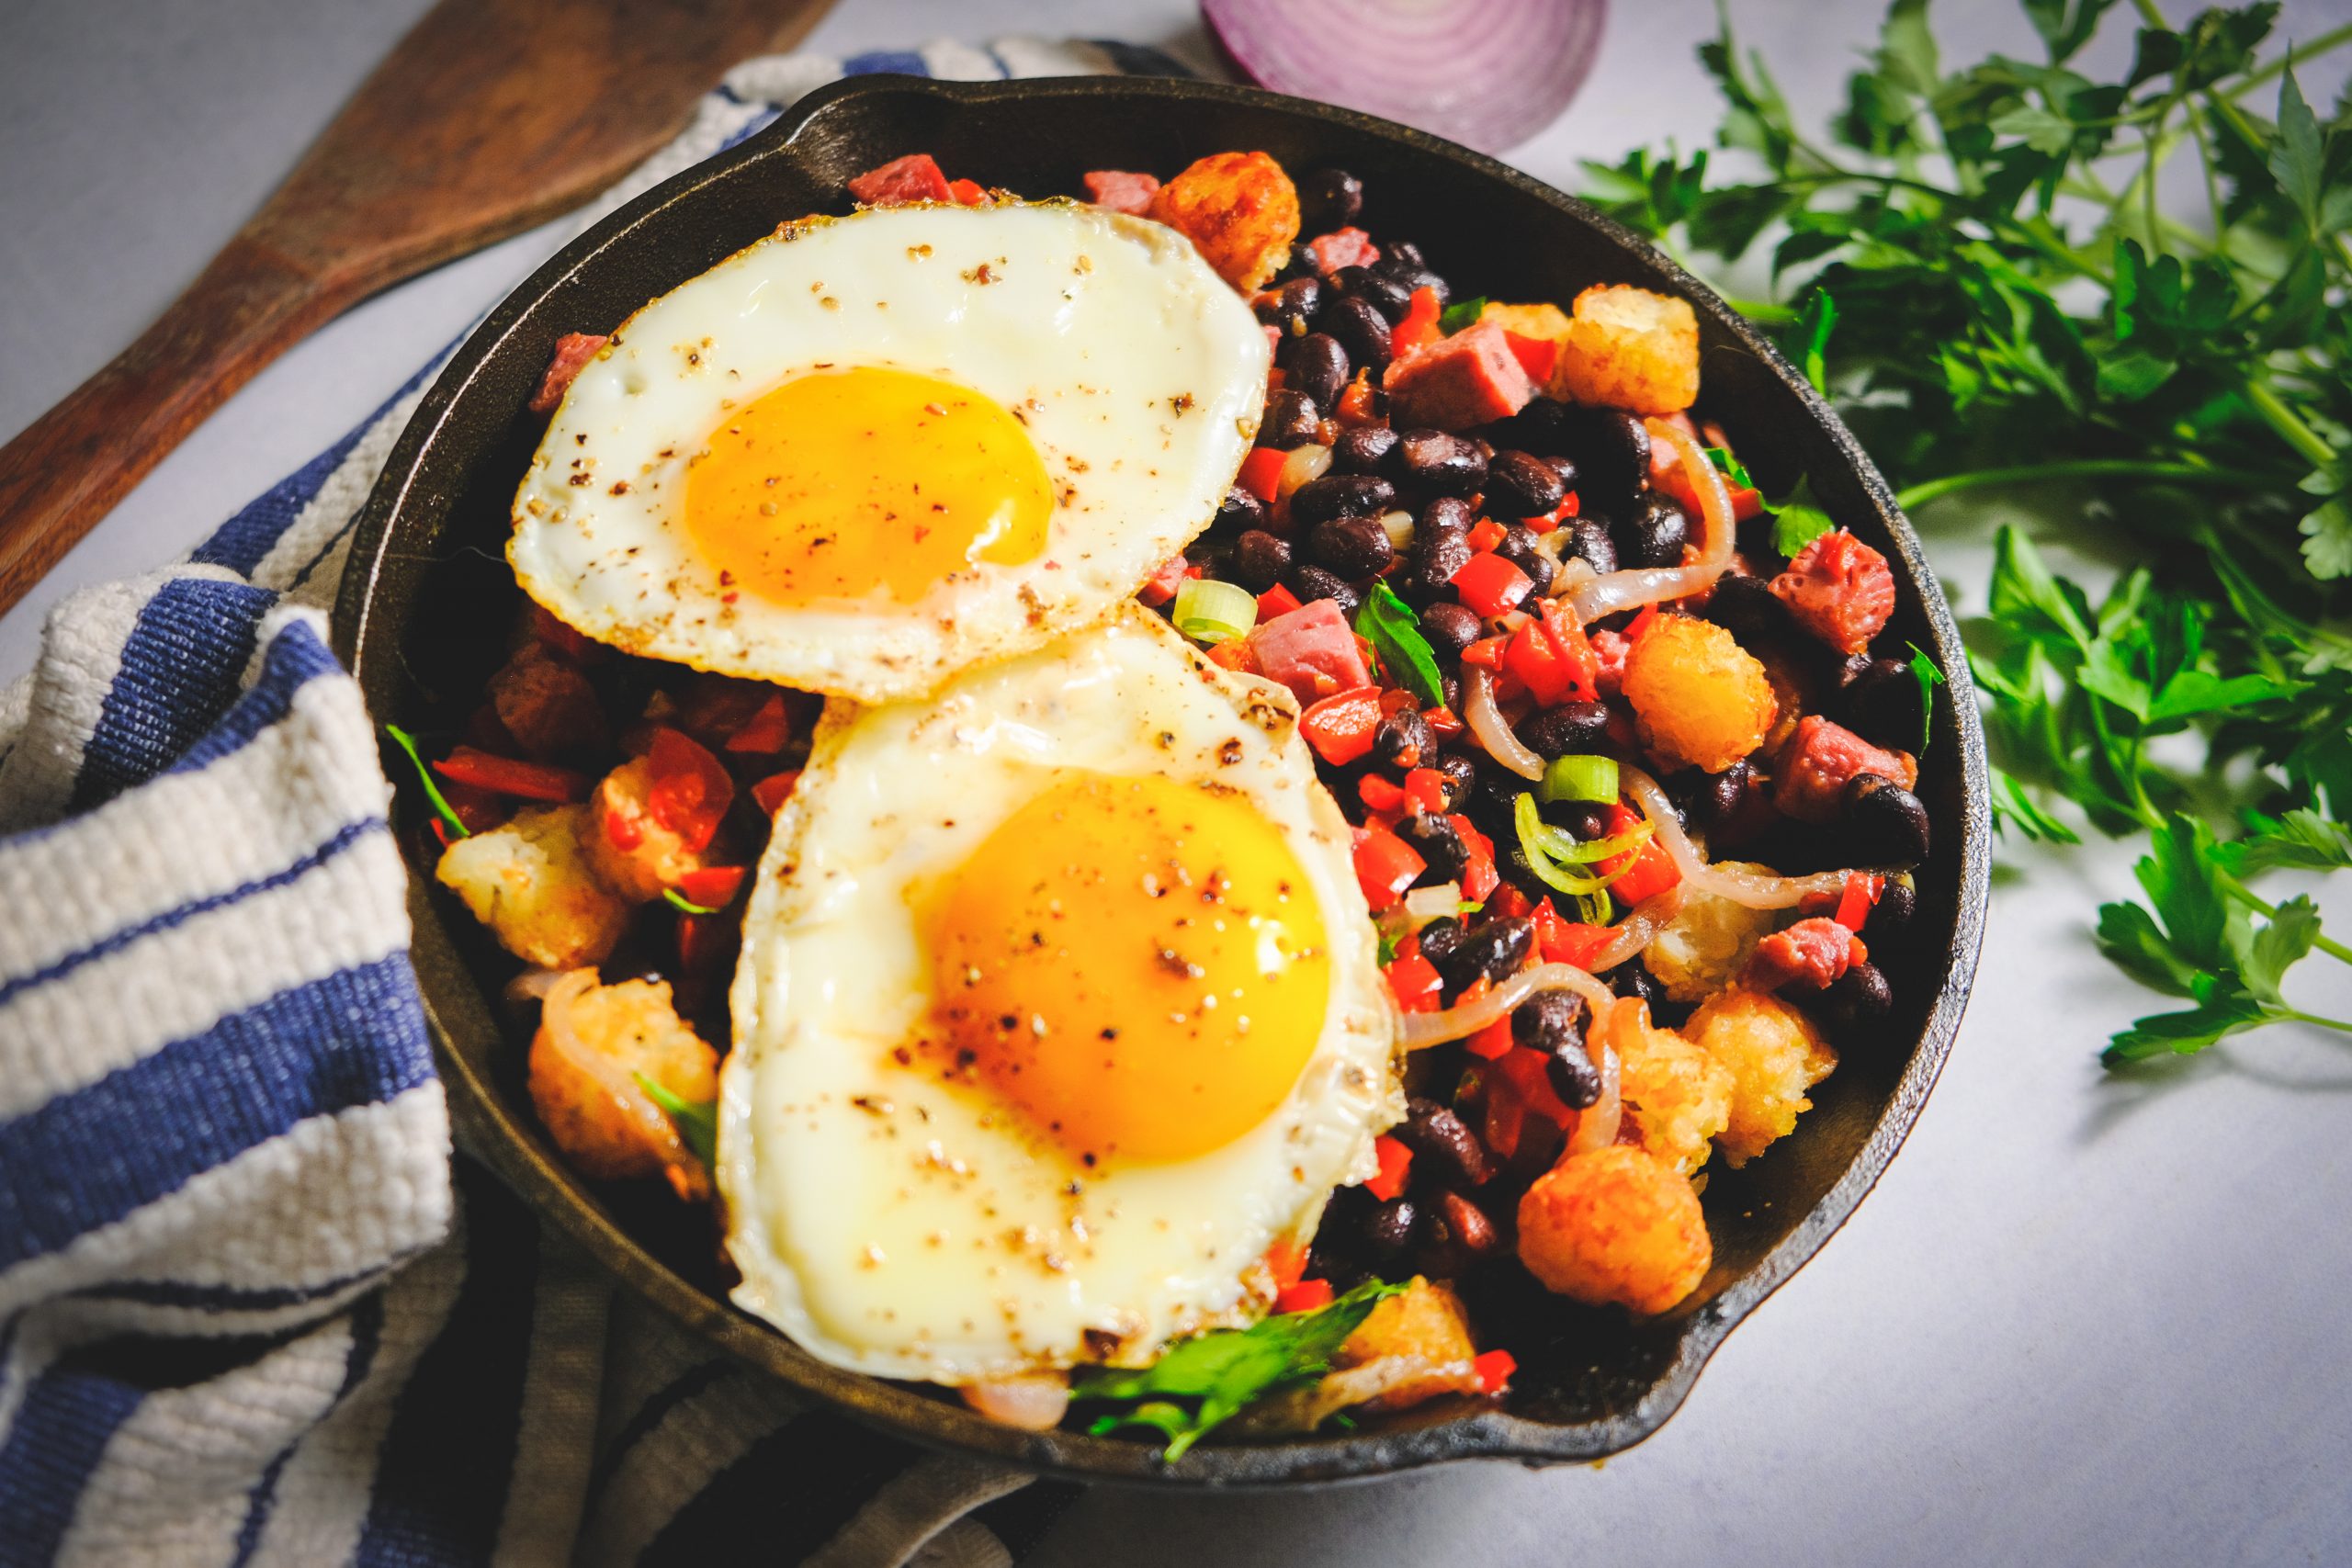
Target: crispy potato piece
{"type": "Point", "coordinates": [1240, 211]}
{"type": "Point", "coordinates": [594, 1042]}
{"type": "Point", "coordinates": [1629, 348]}
{"type": "Point", "coordinates": [1615, 1225]}
{"type": "Point", "coordinates": [1677, 1095]}
{"type": "Point", "coordinates": [530, 882]}
{"type": "Point", "coordinates": [1412, 1347]}
{"type": "Point", "coordinates": [1708, 942]}
{"type": "Point", "coordinates": [1773, 1053]}
{"type": "Point", "coordinates": [1546, 320]}
{"type": "Point", "coordinates": [1700, 698]}
{"type": "Point", "coordinates": [657, 857]}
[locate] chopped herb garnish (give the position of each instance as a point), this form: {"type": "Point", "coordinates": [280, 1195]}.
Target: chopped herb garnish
{"type": "Point", "coordinates": [1461, 314]}
{"type": "Point", "coordinates": [1799, 520]}
{"type": "Point", "coordinates": [441, 807]}
{"type": "Point", "coordinates": [696, 1120]}
{"type": "Point", "coordinates": [1204, 1381]}
{"type": "Point", "coordinates": [1729, 466]}
{"type": "Point", "coordinates": [1395, 633]}
{"type": "Point", "coordinates": [686, 905]}
{"type": "Point", "coordinates": [1929, 677]}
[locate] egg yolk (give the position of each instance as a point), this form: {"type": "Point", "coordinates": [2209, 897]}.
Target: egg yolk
{"type": "Point", "coordinates": [1138, 965]}
{"type": "Point", "coordinates": [841, 483]}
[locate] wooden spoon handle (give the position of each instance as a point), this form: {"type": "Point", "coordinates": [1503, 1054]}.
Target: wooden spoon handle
{"type": "Point", "coordinates": [74, 463]}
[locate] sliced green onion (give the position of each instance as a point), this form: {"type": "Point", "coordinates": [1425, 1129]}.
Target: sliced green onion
{"type": "Point", "coordinates": [682, 902]}
{"type": "Point", "coordinates": [1212, 612]}
{"type": "Point", "coordinates": [441, 807]}
{"type": "Point", "coordinates": [1536, 841]}
{"type": "Point", "coordinates": [1579, 778]}
{"type": "Point", "coordinates": [696, 1120]}
{"type": "Point", "coordinates": [1569, 850]}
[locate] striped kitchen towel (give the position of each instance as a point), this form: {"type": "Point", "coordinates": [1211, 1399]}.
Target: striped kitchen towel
{"type": "Point", "coordinates": [249, 1312]}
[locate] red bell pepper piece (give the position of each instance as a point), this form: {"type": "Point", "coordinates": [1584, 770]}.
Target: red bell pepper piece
{"type": "Point", "coordinates": [1524, 1068]}
{"type": "Point", "coordinates": [1417, 328]}
{"type": "Point", "coordinates": [712, 886]}
{"type": "Point", "coordinates": [1340, 727]}
{"type": "Point", "coordinates": [1305, 1296]}
{"type": "Point", "coordinates": [1425, 790]}
{"type": "Point", "coordinates": [968, 192]}
{"type": "Point", "coordinates": [1275, 601]}
{"type": "Point", "coordinates": [1486, 653]}
{"type": "Point", "coordinates": [1379, 793]}
{"type": "Point", "coordinates": [1396, 1160]}
{"type": "Point", "coordinates": [1385, 866]}
{"type": "Point", "coordinates": [1561, 940]}
{"type": "Point", "coordinates": [1487, 535]}
{"type": "Point", "coordinates": [1490, 585]}
{"type": "Point", "coordinates": [505, 775]}
{"type": "Point", "coordinates": [1494, 1369]}
{"type": "Point", "coordinates": [1537, 355]}
{"type": "Point", "coordinates": [1479, 877]}
{"type": "Point", "coordinates": [1286, 1260]}
{"type": "Point", "coordinates": [1260, 471]}
{"type": "Point", "coordinates": [1653, 872]}
{"type": "Point", "coordinates": [1534, 660]}
{"type": "Point", "coordinates": [690, 791]}
{"type": "Point", "coordinates": [1415, 982]}
{"type": "Point", "coordinates": [1444, 723]}
{"type": "Point", "coordinates": [1857, 900]}
{"type": "Point", "coordinates": [1511, 903]}
{"type": "Point", "coordinates": [769, 793]}
{"type": "Point", "coordinates": [1492, 1042]}
{"type": "Point", "coordinates": [1357, 406]}
{"type": "Point", "coordinates": [765, 731]}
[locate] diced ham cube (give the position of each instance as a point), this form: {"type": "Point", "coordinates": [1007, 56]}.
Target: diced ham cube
{"type": "Point", "coordinates": [1470, 378]}
{"type": "Point", "coordinates": [1820, 758]}
{"type": "Point", "coordinates": [1840, 590]}
{"type": "Point", "coordinates": [1311, 651]}
{"type": "Point", "coordinates": [915, 177]}
{"type": "Point", "coordinates": [572, 351]}
{"type": "Point", "coordinates": [1342, 247]}
{"type": "Point", "coordinates": [1122, 190]}
{"type": "Point", "coordinates": [1611, 649]}
{"type": "Point", "coordinates": [1813, 953]}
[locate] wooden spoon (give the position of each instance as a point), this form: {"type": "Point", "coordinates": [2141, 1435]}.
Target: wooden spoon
{"type": "Point", "coordinates": [491, 116]}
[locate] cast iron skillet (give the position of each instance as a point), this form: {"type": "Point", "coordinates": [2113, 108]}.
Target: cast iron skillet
{"type": "Point", "coordinates": [427, 591]}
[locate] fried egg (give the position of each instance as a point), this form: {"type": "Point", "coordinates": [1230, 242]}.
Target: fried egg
{"type": "Point", "coordinates": [1058, 1005]}
{"type": "Point", "coordinates": [868, 452]}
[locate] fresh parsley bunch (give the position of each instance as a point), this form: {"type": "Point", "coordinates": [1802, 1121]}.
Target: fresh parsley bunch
{"type": "Point", "coordinates": [1977, 269]}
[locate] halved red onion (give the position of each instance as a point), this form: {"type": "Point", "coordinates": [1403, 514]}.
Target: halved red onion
{"type": "Point", "coordinates": [1615, 591]}
{"type": "Point", "coordinates": [1487, 72]}
{"type": "Point", "coordinates": [1463, 1019]}
{"type": "Point", "coordinates": [1746, 888]}
{"type": "Point", "coordinates": [1487, 722]}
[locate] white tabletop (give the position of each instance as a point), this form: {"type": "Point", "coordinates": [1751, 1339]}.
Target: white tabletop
{"type": "Point", "coordinates": [2080, 1321]}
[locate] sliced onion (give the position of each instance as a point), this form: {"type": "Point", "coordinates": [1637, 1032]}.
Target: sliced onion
{"type": "Point", "coordinates": [1487, 72]}
{"type": "Point", "coordinates": [1426, 904]}
{"type": "Point", "coordinates": [1486, 722]}
{"type": "Point", "coordinates": [1398, 527]}
{"type": "Point", "coordinates": [1464, 1019]}
{"type": "Point", "coordinates": [1035, 1402]}
{"type": "Point", "coordinates": [1615, 591]}
{"type": "Point", "coordinates": [1639, 928]}
{"type": "Point", "coordinates": [532, 984]}
{"type": "Point", "coordinates": [1599, 1124]}
{"type": "Point", "coordinates": [1746, 888]}
{"type": "Point", "coordinates": [1305, 463]}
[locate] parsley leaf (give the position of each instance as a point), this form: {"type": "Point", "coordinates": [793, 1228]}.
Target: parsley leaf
{"type": "Point", "coordinates": [1461, 314]}
{"type": "Point", "coordinates": [1923, 670]}
{"type": "Point", "coordinates": [1395, 633]}
{"type": "Point", "coordinates": [1206, 1381]}
{"type": "Point", "coordinates": [696, 1120]}
{"type": "Point", "coordinates": [1729, 466]}
{"type": "Point", "coordinates": [1799, 519]}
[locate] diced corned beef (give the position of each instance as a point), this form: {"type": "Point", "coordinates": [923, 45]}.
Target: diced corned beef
{"type": "Point", "coordinates": [1820, 758]}
{"type": "Point", "coordinates": [1311, 651]}
{"type": "Point", "coordinates": [1470, 378]}
{"type": "Point", "coordinates": [1121, 190]}
{"type": "Point", "coordinates": [572, 350]}
{"type": "Point", "coordinates": [1342, 247]}
{"type": "Point", "coordinates": [1840, 590]}
{"type": "Point", "coordinates": [1165, 579]}
{"type": "Point", "coordinates": [1812, 953]}
{"type": "Point", "coordinates": [1611, 649]}
{"type": "Point", "coordinates": [915, 177]}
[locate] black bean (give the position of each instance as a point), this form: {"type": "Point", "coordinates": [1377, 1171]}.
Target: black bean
{"type": "Point", "coordinates": [1300, 264]}
{"type": "Point", "coordinates": [1548, 1019]}
{"type": "Point", "coordinates": [1362, 330]}
{"type": "Point", "coordinates": [1438, 554]}
{"type": "Point", "coordinates": [1441, 938]}
{"type": "Point", "coordinates": [1239, 512]}
{"type": "Point", "coordinates": [1402, 738]}
{"type": "Point", "coordinates": [1744, 607]}
{"type": "Point", "coordinates": [1573, 1077]}
{"type": "Point", "coordinates": [1352, 546]}
{"type": "Point", "coordinates": [1467, 1225]}
{"type": "Point", "coordinates": [1855, 1001]}
{"type": "Point", "coordinates": [1520, 484]}
{"type": "Point", "coordinates": [1438, 842]}
{"type": "Point", "coordinates": [1885, 821]}
{"type": "Point", "coordinates": [1214, 556]}
{"type": "Point", "coordinates": [1312, 583]}
{"type": "Point", "coordinates": [1292, 420]}
{"type": "Point", "coordinates": [1569, 728]}
{"type": "Point", "coordinates": [1392, 300]}
{"type": "Point", "coordinates": [1413, 278]}
{"type": "Point", "coordinates": [1437, 463]}
{"type": "Point", "coordinates": [1316, 366]}
{"type": "Point", "coordinates": [1401, 255]}
{"type": "Point", "coordinates": [1329, 199]}
{"type": "Point", "coordinates": [1259, 558]}
{"type": "Point", "coordinates": [1653, 532]}
{"type": "Point", "coordinates": [1461, 778]}
{"type": "Point", "coordinates": [1519, 547]}
{"type": "Point", "coordinates": [1612, 449]}
{"type": "Point", "coordinates": [1585, 818]}
{"type": "Point", "coordinates": [1388, 1230]}
{"type": "Point", "coordinates": [1493, 948]}
{"type": "Point", "coordinates": [1291, 307]}
{"type": "Point", "coordinates": [1634, 980]}
{"type": "Point", "coordinates": [1565, 467]}
{"type": "Point", "coordinates": [1363, 451]}
{"type": "Point", "coordinates": [1882, 705]}
{"type": "Point", "coordinates": [1897, 902]}
{"type": "Point", "coordinates": [1588, 541]}
{"type": "Point", "coordinates": [1446, 514]}
{"type": "Point", "coordinates": [1705, 798]}
{"type": "Point", "coordinates": [1450, 627]}
{"type": "Point", "coordinates": [1334, 496]}
{"type": "Point", "coordinates": [1435, 1134]}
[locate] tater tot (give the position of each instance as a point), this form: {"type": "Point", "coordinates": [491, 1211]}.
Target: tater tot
{"type": "Point", "coordinates": [1629, 348]}
{"type": "Point", "coordinates": [1699, 698]}
{"type": "Point", "coordinates": [1773, 1053]}
{"type": "Point", "coordinates": [593, 1043]}
{"type": "Point", "coordinates": [1677, 1097]}
{"type": "Point", "coordinates": [1615, 1225]}
{"type": "Point", "coordinates": [530, 882]}
{"type": "Point", "coordinates": [1240, 211]}
{"type": "Point", "coordinates": [1709, 939]}
{"type": "Point", "coordinates": [655, 858]}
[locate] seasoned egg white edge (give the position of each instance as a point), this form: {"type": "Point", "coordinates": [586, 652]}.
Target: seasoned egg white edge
{"type": "Point", "coordinates": [1347, 1092]}
{"type": "Point", "coordinates": [1142, 400]}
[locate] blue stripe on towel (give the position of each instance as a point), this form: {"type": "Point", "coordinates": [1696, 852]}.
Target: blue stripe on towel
{"type": "Point", "coordinates": [904, 62]}
{"type": "Point", "coordinates": [228, 1298]}
{"type": "Point", "coordinates": [354, 1038]}
{"type": "Point", "coordinates": [295, 658]}
{"type": "Point", "coordinates": [441, 1476]}
{"type": "Point", "coordinates": [181, 665]}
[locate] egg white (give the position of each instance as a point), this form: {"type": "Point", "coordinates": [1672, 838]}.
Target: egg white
{"type": "Point", "coordinates": [1138, 374]}
{"type": "Point", "coordinates": [899, 1225]}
